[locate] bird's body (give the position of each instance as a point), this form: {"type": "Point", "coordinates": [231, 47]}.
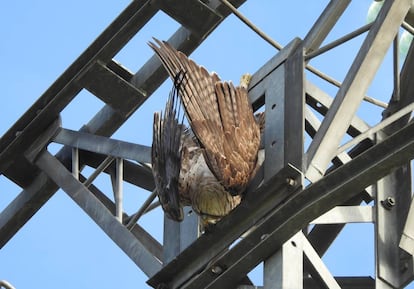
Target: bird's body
{"type": "Point", "coordinates": [218, 156]}
{"type": "Point", "coordinates": [199, 188]}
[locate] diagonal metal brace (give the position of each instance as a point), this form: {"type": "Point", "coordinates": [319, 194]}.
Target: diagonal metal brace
{"type": "Point", "coordinates": [289, 217]}
{"type": "Point", "coordinates": [142, 257]}
{"type": "Point", "coordinates": [256, 205]}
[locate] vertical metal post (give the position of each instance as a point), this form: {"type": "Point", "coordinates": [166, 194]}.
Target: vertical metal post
{"type": "Point", "coordinates": [284, 270]}
{"type": "Point", "coordinates": [394, 266]}
{"type": "Point", "coordinates": [396, 69]}
{"type": "Point", "coordinates": [75, 163]}
{"type": "Point", "coordinates": [284, 99]}
{"type": "Point", "coordinates": [178, 236]}
{"type": "Point", "coordinates": [118, 188]}
{"type": "Point", "coordinates": [407, 238]}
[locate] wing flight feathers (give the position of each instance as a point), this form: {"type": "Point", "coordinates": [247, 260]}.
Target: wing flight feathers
{"type": "Point", "coordinates": [220, 116]}
{"type": "Point", "coordinates": [166, 154]}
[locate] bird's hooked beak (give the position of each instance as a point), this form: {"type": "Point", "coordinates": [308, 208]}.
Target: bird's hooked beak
{"type": "Point", "coordinates": [170, 203]}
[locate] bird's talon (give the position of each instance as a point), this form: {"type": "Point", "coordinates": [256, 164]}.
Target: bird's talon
{"type": "Point", "coordinates": [245, 80]}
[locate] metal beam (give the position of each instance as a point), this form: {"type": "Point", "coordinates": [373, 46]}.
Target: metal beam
{"type": "Point", "coordinates": [38, 187]}
{"type": "Point", "coordinates": [99, 213]}
{"type": "Point", "coordinates": [140, 233]}
{"type": "Point", "coordinates": [23, 207]}
{"type": "Point", "coordinates": [104, 145]}
{"type": "Point", "coordinates": [257, 99]}
{"type": "Point", "coordinates": [135, 174]}
{"type": "Point", "coordinates": [290, 216]}
{"type": "Point", "coordinates": [320, 101]}
{"type": "Point", "coordinates": [179, 235]}
{"type": "Point", "coordinates": [110, 87]}
{"type": "Point", "coordinates": [344, 283]}
{"type": "Point", "coordinates": [198, 21]}
{"type": "Point", "coordinates": [284, 269]}
{"type": "Point", "coordinates": [56, 98]}
{"type": "Point", "coordinates": [347, 214]}
{"type": "Point", "coordinates": [13, 144]}
{"type": "Point", "coordinates": [105, 122]}
{"type": "Point", "coordinates": [393, 266]}
{"type": "Point", "coordinates": [6, 285]}
{"type": "Point", "coordinates": [394, 193]}
{"type": "Point", "coordinates": [284, 99]}
{"type": "Point", "coordinates": [323, 235]}
{"type": "Point", "coordinates": [256, 205]}
{"type": "Point", "coordinates": [324, 24]}
{"type": "Point", "coordinates": [337, 120]}
{"type": "Point", "coordinates": [318, 269]}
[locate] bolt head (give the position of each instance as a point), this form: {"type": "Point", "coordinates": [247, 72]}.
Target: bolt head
{"type": "Point", "coordinates": [216, 269]}
{"type": "Point", "coordinates": [291, 182]}
{"type": "Point", "coordinates": [388, 203]}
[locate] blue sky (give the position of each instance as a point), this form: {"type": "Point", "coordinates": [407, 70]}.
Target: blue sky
{"type": "Point", "coordinates": [60, 247]}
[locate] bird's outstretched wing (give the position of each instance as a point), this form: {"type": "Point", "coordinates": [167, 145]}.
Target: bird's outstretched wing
{"type": "Point", "coordinates": [220, 116]}
{"type": "Point", "coordinates": [166, 153]}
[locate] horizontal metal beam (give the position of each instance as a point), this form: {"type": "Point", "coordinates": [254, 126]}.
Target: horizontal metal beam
{"type": "Point", "coordinates": [110, 87]}
{"type": "Point", "coordinates": [141, 256]}
{"type": "Point", "coordinates": [344, 283]}
{"type": "Point", "coordinates": [347, 214]}
{"type": "Point", "coordinates": [294, 214]}
{"type": "Point", "coordinates": [198, 21]}
{"type": "Point", "coordinates": [323, 235]}
{"type": "Point", "coordinates": [104, 145]}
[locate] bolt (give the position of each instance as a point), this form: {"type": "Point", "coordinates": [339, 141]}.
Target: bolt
{"type": "Point", "coordinates": [290, 182]}
{"type": "Point", "coordinates": [263, 237]}
{"type": "Point", "coordinates": [216, 269]}
{"type": "Point", "coordinates": [388, 203]}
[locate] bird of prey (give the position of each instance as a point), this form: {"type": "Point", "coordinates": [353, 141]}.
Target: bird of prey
{"type": "Point", "coordinates": [210, 165]}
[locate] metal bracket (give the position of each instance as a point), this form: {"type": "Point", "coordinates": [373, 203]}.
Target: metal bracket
{"type": "Point", "coordinates": [43, 140]}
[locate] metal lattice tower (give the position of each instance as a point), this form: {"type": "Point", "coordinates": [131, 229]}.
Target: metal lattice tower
{"type": "Point", "coordinates": [304, 194]}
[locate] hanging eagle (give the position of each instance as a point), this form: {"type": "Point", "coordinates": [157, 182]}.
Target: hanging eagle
{"type": "Point", "coordinates": [209, 166]}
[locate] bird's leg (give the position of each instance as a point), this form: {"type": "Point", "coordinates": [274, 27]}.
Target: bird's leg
{"type": "Point", "coordinates": [245, 80]}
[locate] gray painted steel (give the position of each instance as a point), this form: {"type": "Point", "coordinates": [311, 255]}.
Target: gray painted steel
{"type": "Point", "coordinates": [270, 224]}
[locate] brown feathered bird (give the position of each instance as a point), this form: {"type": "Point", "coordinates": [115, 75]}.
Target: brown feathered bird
{"type": "Point", "coordinates": [209, 166]}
